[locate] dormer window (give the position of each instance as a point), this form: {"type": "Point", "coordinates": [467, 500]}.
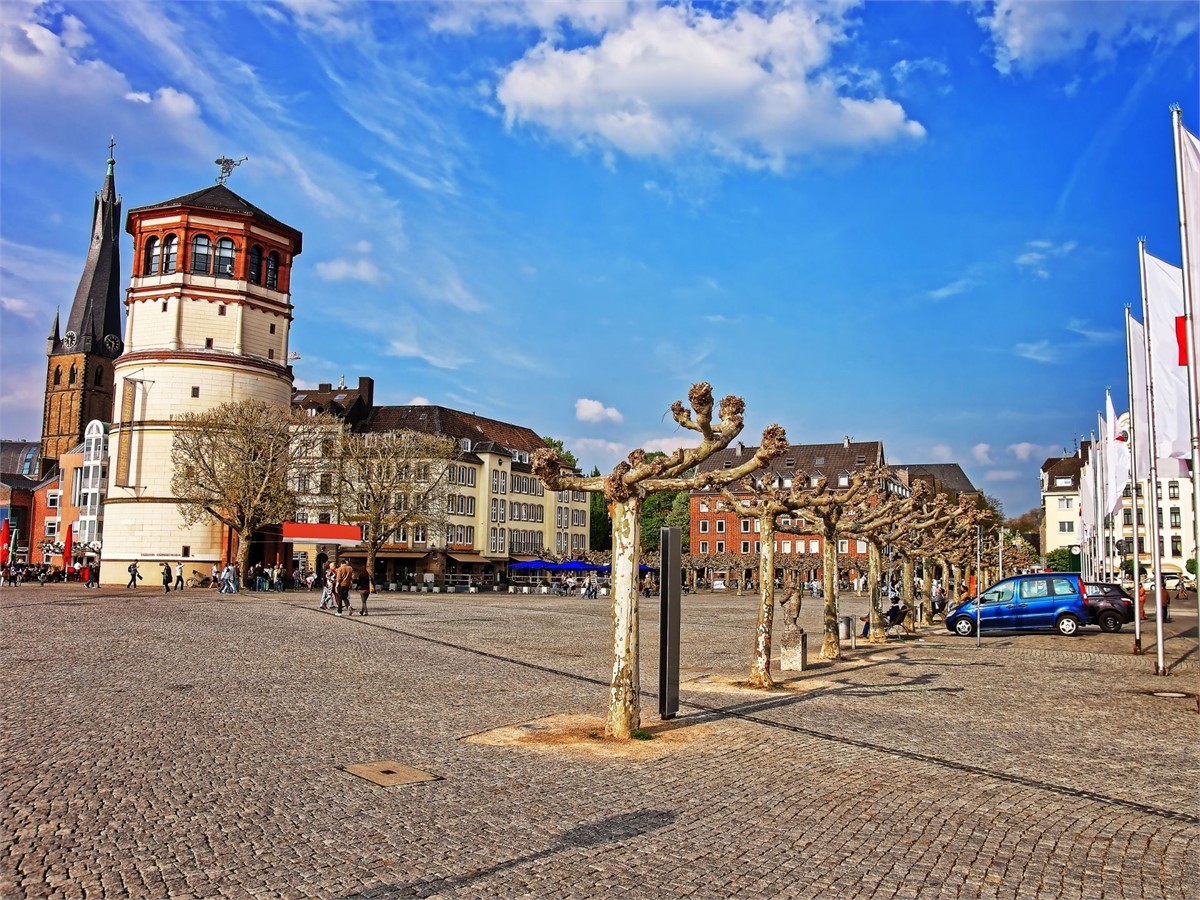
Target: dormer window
{"type": "Point", "coordinates": [788, 463]}
{"type": "Point", "coordinates": [465, 444]}
{"type": "Point", "coordinates": [844, 480]}
{"type": "Point", "coordinates": [861, 459]}
{"type": "Point", "coordinates": [820, 461]}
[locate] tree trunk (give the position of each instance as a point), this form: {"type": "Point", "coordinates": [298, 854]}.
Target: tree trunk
{"type": "Point", "coordinates": [830, 647]}
{"type": "Point", "coordinates": [624, 710]}
{"type": "Point", "coordinates": [243, 555]}
{"type": "Point", "coordinates": [909, 591]}
{"type": "Point", "coordinates": [874, 567]}
{"type": "Point", "coordinates": [760, 667]}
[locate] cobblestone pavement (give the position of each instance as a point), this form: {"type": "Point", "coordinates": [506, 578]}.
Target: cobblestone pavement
{"type": "Point", "coordinates": [194, 745]}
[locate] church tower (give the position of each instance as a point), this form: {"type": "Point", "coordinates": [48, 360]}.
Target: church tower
{"type": "Point", "coordinates": [207, 318]}
{"type": "Point", "coordinates": [79, 374]}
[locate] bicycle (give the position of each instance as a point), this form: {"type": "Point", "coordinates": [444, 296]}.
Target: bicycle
{"type": "Point", "coordinates": [198, 581]}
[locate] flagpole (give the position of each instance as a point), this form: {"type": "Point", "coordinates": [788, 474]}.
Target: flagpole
{"type": "Point", "coordinates": [1189, 317]}
{"type": "Point", "coordinates": [1133, 473]}
{"type": "Point", "coordinates": [1152, 487]}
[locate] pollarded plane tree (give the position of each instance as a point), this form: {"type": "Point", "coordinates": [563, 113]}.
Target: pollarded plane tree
{"type": "Point", "coordinates": [626, 488]}
{"type": "Point", "coordinates": [875, 519]}
{"type": "Point", "coordinates": [954, 546]}
{"type": "Point", "coordinates": [393, 482]}
{"type": "Point", "coordinates": [820, 512]}
{"type": "Point", "coordinates": [235, 462]}
{"type": "Point", "coordinates": [911, 540]}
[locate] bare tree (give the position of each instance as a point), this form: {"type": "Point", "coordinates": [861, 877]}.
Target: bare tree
{"type": "Point", "coordinates": [822, 510]}
{"type": "Point", "coordinates": [626, 488]}
{"type": "Point", "coordinates": [394, 480]}
{"type": "Point", "coordinates": [234, 462]}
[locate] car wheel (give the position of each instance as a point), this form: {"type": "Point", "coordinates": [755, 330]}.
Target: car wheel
{"type": "Point", "coordinates": [1068, 625]}
{"type": "Point", "coordinates": [1109, 621]}
{"type": "Point", "coordinates": [964, 626]}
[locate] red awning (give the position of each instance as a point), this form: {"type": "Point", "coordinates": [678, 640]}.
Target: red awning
{"type": "Point", "coordinates": [309, 533]}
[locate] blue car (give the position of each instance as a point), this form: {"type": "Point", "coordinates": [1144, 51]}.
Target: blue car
{"type": "Point", "coordinates": [1050, 600]}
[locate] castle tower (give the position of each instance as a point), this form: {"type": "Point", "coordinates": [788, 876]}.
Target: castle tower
{"type": "Point", "coordinates": [79, 372]}
{"type": "Point", "coordinates": [207, 317]}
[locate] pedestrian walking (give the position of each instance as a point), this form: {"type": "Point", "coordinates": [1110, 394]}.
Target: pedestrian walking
{"type": "Point", "coordinates": [214, 582]}
{"type": "Point", "coordinates": [166, 577]}
{"type": "Point", "coordinates": [364, 585]}
{"type": "Point", "coordinates": [134, 575]}
{"type": "Point", "coordinates": [179, 576]}
{"type": "Point", "coordinates": [94, 575]}
{"type": "Point", "coordinates": [343, 581]}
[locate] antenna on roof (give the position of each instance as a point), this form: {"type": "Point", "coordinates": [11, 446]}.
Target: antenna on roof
{"type": "Point", "coordinates": [227, 166]}
{"type": "Point", "coordinates": [342, 383]}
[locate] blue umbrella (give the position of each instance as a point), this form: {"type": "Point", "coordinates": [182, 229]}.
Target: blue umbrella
{"type": "Point", "coordinates": [531, 564]}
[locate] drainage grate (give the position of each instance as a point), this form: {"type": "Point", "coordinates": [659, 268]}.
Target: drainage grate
{"type": "Point", "coordinates": [387, 773]}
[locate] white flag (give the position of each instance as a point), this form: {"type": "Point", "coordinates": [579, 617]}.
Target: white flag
{"type": "Point", "coordinates": [1116, 460]}
{"type": "Point", "coordinates": [1138, 399]}
{"type": "Point", "coordinates": [1168, 378]}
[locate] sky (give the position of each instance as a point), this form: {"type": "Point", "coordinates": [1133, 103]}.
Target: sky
{"type": "Point", "coordinates": [908, 222]}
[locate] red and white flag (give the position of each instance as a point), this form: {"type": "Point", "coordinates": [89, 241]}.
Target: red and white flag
{"type": "Point", "coordinates": [1138, 398]}
{"type": "Point", "coordinates": [1116, 457]}
{"type": "Point", "coordinates": [1189, 197]}
{"type": "Point", "coordinates": [1168, 379]}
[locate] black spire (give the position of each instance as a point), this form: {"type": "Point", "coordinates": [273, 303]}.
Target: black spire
{"type": "Point", "coordinates": [94, 324]}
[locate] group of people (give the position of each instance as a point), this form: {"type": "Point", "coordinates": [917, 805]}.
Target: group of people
{"type": "Point", "coordinates": [1164, 600]}
{"type": "Point", "coordinates": [338, 581]}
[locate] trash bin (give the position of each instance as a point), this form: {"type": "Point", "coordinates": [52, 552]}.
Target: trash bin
{"type": "Point", "coordinates": [845, 627]}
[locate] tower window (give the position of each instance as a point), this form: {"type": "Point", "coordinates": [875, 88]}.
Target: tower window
{"type": "Point", "coordinates": [164, 306]}
{"type": "Point", "coordinates": [270, 354]}
{"type": "Point", "coordinates": [221, 310]}
{"type": "Point", "coordinates": [256, 264]}
{"type": "Point", "coordinates": [57, 375]}
{"type": "Point", "coordinates": [152, 258]}
{"type": "Point", "coordinates": [195, 390]}
{"type": "Point", "coordinates": [170, 254]}
{"type": "Point", "coordinates": [272, 329]}
{"type": "Point", "coordinates": [72, 376]}
{"type": "Point", "coordinates": [99, 376]}
{"type": "Point", "coordinates": [225, 258]}
{"type": "Point", "coordinates": [272, 269]}
{"type": "Point", "coordinates": [201, 254]}
{"type": "Point", "coordinates": [208, 343]}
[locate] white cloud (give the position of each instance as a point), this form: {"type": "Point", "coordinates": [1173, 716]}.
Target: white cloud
{"type": "Point", "coordinates": [594, 411]}
{"type": "Point", "coordinates": [417, 401]}
{"type": "Point", "coordinates": [1028, 35]}
{"type": "Point", "coordinates": [1094, 335]}
{"type": "Point", "coordinates": [451, 290]}
{"type": "Point", "coordinates": [982, 453]}
{"type": "Point", "coordinates": [22, 309]}
{"type": "Point", "coordinates": [1038, 253]}
{"type": "Point", "coordinates": [547, 16]}
{"type": "Point", "coordinates": [1038, 351]}
{"type": "Point", "coordinates": [1025, 451]}
{"type": "Point", "coordinates": [597, 452]}
{"type": "Point", "coordinates": [755, 90]}
{"type": "Point", "coordinates": [942, 453]}
{"type": "Point", "coordinates": [669, 445]}
{"type": "Point", "coordinates": [349, 270]}
{"type": "Point", "coordinates": [1003, 475]}
{"type": "Point", "coordinates": [953, 289]}
{"type": "Point", "coordinates": [906, 70]}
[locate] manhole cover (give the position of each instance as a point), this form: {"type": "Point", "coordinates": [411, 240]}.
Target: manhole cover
{"type": "Point", "coordinates": [387, 773]}
{"type": "Point", "coordinates": [1171, 695]}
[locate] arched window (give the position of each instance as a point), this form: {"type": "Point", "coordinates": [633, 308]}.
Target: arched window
{"type": "Point", "coordinates": [72, 376]}
{"type": "Point", "coordinates": [272, 269]}
{"type": "Point", "coordinates": [57, 375]}
{"type": "Point", "coordinates": [170, 253]}
{"type": "Point", "coordinates": [201, 254]}
{"type": "Point", "coordinates": [153, 249]}
{"type": "Point", "coordinates": [99, 375]}
{"type": "Point", "coordinates": [256, 264]}
{"type": "Point", "coordinates": [225, 257]}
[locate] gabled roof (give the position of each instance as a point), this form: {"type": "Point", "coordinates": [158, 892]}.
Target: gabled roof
{"type": "Point", "coordinates": [808, 459]}
{"type": "Point", "coordinates": [220, 198]}
{"type": "Point", "coordinates": [482, 431]}
{"type": "Point", "coordinates": [946, 476]}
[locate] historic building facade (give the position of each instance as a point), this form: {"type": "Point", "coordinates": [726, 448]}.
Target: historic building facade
{"type": "Point", "coordinates": [79, 373]}
{"type": "Point", "coordinates": [207, 318]}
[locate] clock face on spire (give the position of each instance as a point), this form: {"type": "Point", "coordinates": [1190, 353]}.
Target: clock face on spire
{"type": "Point", "coordinates": [70, 339]}
{"type": "Point", "coordinates": [113, 343]}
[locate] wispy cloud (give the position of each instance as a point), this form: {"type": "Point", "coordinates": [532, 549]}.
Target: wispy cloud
{"type": "Point", "coordinates": [953, 289]}
{"type": "Point", "coordinates": [1026, 451]}
{"type": "Point", "coordinates": [344, 269]}
{"type": "Point", "coordinates": [670, 444]}
{"type": "Point", "coordinates": [1094, 335]}
{"type": "Point", "coordinates": [1038, 351]}
{"type": "Point", "coordinates": [594, 411]}
{"type": "Point", "coordinates": [1037, 255]}
{"type": "Point", "coordinates": [1003, 475]}
{"type": "Point", "coordinates": [982, 454]}
{"type": "Point", "coordinates": [22, 309]}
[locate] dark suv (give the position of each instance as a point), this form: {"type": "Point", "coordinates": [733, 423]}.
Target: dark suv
{"type": "Point", "coordinates": [1108, 605]}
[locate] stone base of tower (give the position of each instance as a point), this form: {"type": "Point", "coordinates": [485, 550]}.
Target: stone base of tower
{"type": "Point", "coordinates": [151, 533]}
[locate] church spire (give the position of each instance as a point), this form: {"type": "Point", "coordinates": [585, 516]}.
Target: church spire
{"type": "Point", "coordinates": [94, 323]}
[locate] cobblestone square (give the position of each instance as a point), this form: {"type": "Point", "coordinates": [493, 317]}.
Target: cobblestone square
{"type": "Point", "coordinates": [194, 745]}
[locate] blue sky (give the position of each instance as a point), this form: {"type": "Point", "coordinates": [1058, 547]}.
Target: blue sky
{"type": "Point", "coordinates": [911, 222]}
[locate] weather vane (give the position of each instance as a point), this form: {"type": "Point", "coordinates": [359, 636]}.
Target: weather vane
{"type": "Point", "coordinates": [227, 166]}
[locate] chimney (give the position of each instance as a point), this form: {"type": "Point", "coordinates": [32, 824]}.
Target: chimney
{"type": "Point", "coordinates": [846, 442]}
{"type": "Point", "coordinates": [366, 390]}
{"type": "Point", "coordinates": [737, 451]}
{"type": "Point", "coordinates": [324, 387]}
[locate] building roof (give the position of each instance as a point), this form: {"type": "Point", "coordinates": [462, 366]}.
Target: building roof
{"type": "Point", "coordinates": [486, 435]}
{"type": "Point", "coordinates": [810, 459]}
{"type": "Point", "coordinates": [946, 476]}
{"type": "Point", "coordinates": [220, 198]}
{"type": "Point", "coordinates": [21, 457]}
{"type": "Point", "coordinates": [96, 310]}
{"type": "Point", "coordinates": [1062, 467]}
